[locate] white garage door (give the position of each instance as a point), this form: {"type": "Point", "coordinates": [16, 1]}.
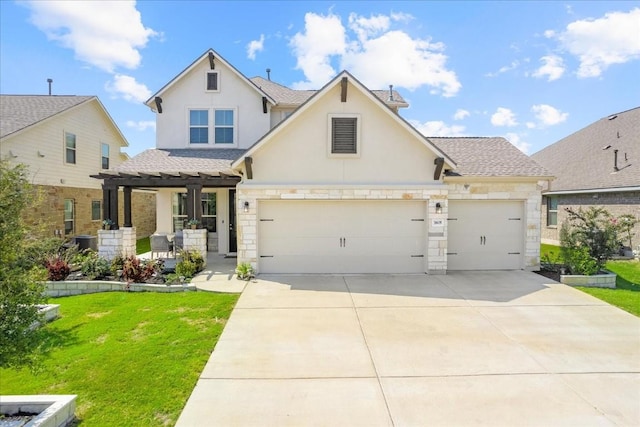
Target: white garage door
{"type": "Point", "coordinates": [341, 237]}
{"type": "Point", "coordinates": [485, 235]}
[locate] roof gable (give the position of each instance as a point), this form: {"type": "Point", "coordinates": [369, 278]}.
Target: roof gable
{"type": "Point", "coordinates": [205, 57]}
{"type": "Point", "coordinates": [585, 160]}
{"type": "Point", "coordinates": [323, 92]}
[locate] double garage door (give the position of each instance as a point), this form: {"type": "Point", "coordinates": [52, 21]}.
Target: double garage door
{"type": "Point", "coordinates": [341, 237]}
{"type": "Point", "coordinates": [485, 235]}
{"type": "Point", "coordinates": [385, 236]}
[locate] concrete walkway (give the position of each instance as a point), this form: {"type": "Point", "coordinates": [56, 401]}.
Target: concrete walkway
{"type": "Point", "coordinates": [473, 348]}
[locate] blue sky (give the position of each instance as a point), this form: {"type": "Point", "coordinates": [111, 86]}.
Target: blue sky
{"type": "Point", "coordinates": [533, 72]}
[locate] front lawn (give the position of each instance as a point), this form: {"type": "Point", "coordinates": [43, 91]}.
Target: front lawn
{"type": "Point", "coordinates": [132, 358]}
{"type": "Point", "coordinates": [143, 245]}
{"type": "Point", "coordinates": [627, 293]}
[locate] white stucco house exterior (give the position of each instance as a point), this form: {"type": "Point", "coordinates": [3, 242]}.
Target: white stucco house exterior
{"type": "Point", "coordinates": [331, 181]}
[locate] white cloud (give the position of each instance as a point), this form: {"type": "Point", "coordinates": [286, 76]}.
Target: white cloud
{"type": "Point", "coordinates": [437, 128]}
{"type": "Point", "coordinates": [104, 34]}
{"type": "Point", "coordinates": [128, 88]}
{"type": "Point", "coordinates": [548, 115]}
{"type": "Point", "coordinates": [323, 38]}
{"type": "Point", "coordinates": [142, 125]}
{"type": "Point", "coordinates": [460, 114]}
{"type": "Point", "coordinates": [552, 68]}
{"type": "Point", "coordinates": [255, 46]}
{"type": "Point", "coordinates": [514, 138]}
{"type": "Point", "coordinates": [530, 125]}
{"type": "Point", "coordinates": [503, 117]}
{"type": "Point", "coordinates": [408, 62]}
{"type": "Point", "coordinates": [504, 69]}
{"type": "Point", "coordinates": [599, 43]}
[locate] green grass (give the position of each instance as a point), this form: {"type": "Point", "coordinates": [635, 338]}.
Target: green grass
{"type": "Point", "coordinates": [132, 358]}
{"type": "Point", "coordinates": [626, 295]}
{"type": "Point", "coordinates": [143, 245]}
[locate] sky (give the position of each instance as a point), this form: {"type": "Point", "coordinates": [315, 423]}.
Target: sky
{"type": "Point", "coordinates": [532, 72]}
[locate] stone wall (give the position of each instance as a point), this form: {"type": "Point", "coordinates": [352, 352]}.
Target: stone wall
{"type": "Point", "coordinates": [195, 240]}
{"type": "Point", "coordinates": [247, 221]}
{"type": "Point", "coordinates": [48, 215]}
{"type": "Point", "coordinates": [617, 204]}
{"type": "Point", "coordinates": [117, 242]}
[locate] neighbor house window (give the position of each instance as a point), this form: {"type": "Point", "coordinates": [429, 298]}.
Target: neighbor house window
{"type": "Point", "coordinates": [105, 155]}
{"type": "Point", "coordinates": [223, 126]}
{"type": "Point", "coordinates": [212, 81]}
{"type": "Point", "coordinates": [208, 203]}
{"type": "Point", "coordinates": [69, 216]}
{"type": "Point", "coordinates": [70, 148]}
{"type": "Point", "coordinates": [344, 135]}
{"type": "Point", "coordinates": [199, 126]}
{"type": "Point", "coordinates": [552, 210]}
{"type": "Point", "coordinates": [96, 210]}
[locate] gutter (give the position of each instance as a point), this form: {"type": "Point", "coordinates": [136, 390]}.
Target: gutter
{"type": "Point", "coordinates": [593, 190]}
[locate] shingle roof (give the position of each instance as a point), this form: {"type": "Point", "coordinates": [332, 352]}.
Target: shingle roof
{"type": "Point", "coordinates": [284, 95]}
{"type": "Point", "coordinates": [581, 162]}
{"type": "Point", "coordinates": [20, 111]}
{"type": "Point", "coordinates": [185, 160]}
{"type": "Point", "coordinates": [488, 156]}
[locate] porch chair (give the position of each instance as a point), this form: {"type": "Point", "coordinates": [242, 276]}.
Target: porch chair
{"type": "Point", "coordinates": [160, 243]}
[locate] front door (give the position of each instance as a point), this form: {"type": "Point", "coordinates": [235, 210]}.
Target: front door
{"type": "Point", "coordinates": [232, 222]}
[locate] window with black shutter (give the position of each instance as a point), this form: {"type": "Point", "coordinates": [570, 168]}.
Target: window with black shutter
{"type": "Point", "coordinates": [344, 135]}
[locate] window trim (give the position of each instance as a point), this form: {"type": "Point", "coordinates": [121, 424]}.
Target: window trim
{"type": "Point", "coordinates": [549, 211]}
{"type": "Point", "coordinates": [74, 149]}
{"type": "Point", "coordinates": [102, 157]}
{"type": "Point", "coordinates": [358, 152]}
{"type": "Point", "coordinates": [189, 126]}
{"type": "Point", "coordinates": [234, 127]}
{"type": "Point", "coordinates": [206, 81]}
{"type": "Point", "coordinates": [99, 218]}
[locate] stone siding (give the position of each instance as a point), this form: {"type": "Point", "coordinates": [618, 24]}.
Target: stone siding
{"type": "Point", "coordinates": [117, 242]}
{"type": "Point", "coordinates": [68, 288]}
{"type": "Point", "coordinates": [617, 204]}
{"type": "Point", "coordinates": [47, 217]}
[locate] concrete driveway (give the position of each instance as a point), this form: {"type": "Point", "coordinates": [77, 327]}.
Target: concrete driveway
{"type": "Point", "coordinates": [472, 348]}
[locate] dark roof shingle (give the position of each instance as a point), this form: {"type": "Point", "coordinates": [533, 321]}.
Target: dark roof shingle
{"type": "Point", "coordinates": [581, 162]}
{"type": "Point", "coordinates": [21, 111]}
{"type": "Point", "coordinates": [488, 156]}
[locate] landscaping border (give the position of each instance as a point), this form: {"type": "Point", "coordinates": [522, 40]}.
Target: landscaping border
{"type": "Point", "coordinates": [81, 287]}
{"type": "Point", "coordinates": [603, 280]}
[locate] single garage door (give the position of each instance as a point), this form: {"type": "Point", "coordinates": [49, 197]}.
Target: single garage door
{"type": "Point", "coordinates": [341, 237]}
{"type": "Point", "coordinates": [485, 235]}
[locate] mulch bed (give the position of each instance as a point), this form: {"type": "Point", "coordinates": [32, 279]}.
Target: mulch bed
{"type": "Point", "coordinates": [549, 274]}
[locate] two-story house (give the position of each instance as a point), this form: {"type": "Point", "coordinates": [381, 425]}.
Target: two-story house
{"type": "Point", "coordinates": [330, 181]}
{"type": "Point", "coordinates": [63, 140]}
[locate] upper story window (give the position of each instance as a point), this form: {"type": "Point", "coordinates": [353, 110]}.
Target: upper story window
{"type": "Point", "coordinates": [104, 154]}
{"type": "Point", "coordinates": [212, 81]}
{"type": "Point", "coordinates": [199, 126]}
{"type": "Point", "coordinates": [70, 148]}
{"type": "Point", "coordinates": [224, 124]}
{"type": "Point", "coordinates": [552, 211]}
{"type": "Point", "coordinates": [344, 135]}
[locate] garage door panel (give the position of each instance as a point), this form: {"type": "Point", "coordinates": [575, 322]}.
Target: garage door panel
{"type": "Point", "coordinates": [341, 237]}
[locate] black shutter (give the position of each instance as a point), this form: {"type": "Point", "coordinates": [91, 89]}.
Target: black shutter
{"type": "Point", "coordinates": [212, 81]}
{"type": "Point", "coordinates": [344, 135]}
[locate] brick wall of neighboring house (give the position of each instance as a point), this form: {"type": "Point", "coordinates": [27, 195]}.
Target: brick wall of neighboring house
{"type": "Point", "coordinates": [48, 215]}
{"type": "Point", "coordinates": [616, 203]}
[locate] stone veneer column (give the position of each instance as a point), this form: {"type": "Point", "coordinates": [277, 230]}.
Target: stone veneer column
{"type": "Point", "coordinates": [117, 242]}
{"type": "Point", "coordinates": [195, 240]}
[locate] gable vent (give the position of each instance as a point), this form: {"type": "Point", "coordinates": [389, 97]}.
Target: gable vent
{"type": "Point", "coordinates": [344, 135]}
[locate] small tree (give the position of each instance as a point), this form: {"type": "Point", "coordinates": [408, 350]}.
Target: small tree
{"type": "Point", "coordinates": [594, 229]}
{"type": "Point", "coordinates": [626, 224]}
{"type": "Point", "coordinates": [21, 287]}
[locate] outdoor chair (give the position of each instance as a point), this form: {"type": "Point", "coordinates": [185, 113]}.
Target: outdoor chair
{"type": "Point", "coordinates": [160, 244]}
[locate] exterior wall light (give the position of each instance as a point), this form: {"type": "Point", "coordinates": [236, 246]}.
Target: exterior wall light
{"type": "Point", "coordinates": [438, 208]}
{"type": "Point", "coordinates": [246, 207]}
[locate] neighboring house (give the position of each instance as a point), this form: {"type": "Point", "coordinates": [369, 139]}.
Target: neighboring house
{"type": "Point", "coordinates": [330, 181]}
{"type": "Point", "coordinates": [598, 165]}
{"type": "Point", "coordinates": [63, 140]}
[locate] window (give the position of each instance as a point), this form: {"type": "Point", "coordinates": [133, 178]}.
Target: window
{"type": "Point", "coordinates": [224, 126]}
{"type": "Point", "coordinates": [70, 148]}
{"type": "Point", "coordinates": [209, 211]}
{"type": "Point", "coordinates": [69, 216]}
{"type": "Point", "coordinates": [105, 155]}
{"type": "Point", "coordinates": [199, 126]}
{"type": "Point", "coordinates": [344, 134]}
{"type": "Point", "coordinates": [212, 81]}
{"type": "Point", "coordinates": [96, 210]}
{"type": "Point", "coordinates": [552, 211]}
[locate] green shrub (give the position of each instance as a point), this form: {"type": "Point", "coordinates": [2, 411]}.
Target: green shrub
{"type": "Point", "coordinates": [186, 268]}
{"type": "Point", "coordinates": [94, 266]}
{"type": "Point", "coordinates": [244, 271]}
{"type": "Point", "coordinates": [580, 261]}
{"type": "Point", "coordinates": [117, 263]}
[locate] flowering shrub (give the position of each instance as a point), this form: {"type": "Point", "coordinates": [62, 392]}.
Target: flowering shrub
{"type": "Point", "coordinates": [57, 268]}
{"type": "Point", "coordinates": [137, 271]}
